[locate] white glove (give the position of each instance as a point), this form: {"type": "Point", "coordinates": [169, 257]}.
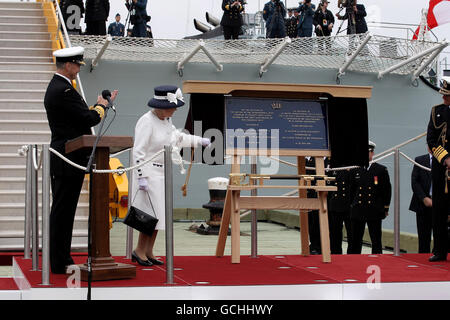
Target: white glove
{"type": "Point", "coordinates": [143, 184]}
{"type": "Point", "coordinates": [205, 142]}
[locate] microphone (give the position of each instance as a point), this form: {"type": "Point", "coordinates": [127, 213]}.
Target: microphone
{"type": "Point", "coordinates": [106, 94]}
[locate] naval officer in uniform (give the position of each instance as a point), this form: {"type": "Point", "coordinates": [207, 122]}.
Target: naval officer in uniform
{"type": "Point", "coordinates": [371, 197]}
{"type": "Point", "coordinates": [437, 140]}
{"type": "Point", "coordinates": [231, 20]}
{"type": "Point", "coordinates": [339, 210]}
{"type": "Point", "coordinates": [68, 117]}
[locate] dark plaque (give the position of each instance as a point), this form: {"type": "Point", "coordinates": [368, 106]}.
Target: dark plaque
{"type": "Point", "coordinates": [263, 123]}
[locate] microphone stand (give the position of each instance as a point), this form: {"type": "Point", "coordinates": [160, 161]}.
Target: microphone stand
{"type": "Point", "coordinates": [89, 170]}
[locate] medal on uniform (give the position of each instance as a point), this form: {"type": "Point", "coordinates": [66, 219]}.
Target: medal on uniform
{"type": "Point", "coordinates": [375, 180]}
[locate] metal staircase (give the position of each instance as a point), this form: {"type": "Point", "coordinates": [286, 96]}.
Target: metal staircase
{"type": "Point", "coordinates": [26, 67]}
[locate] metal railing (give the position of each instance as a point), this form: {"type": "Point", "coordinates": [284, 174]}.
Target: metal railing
{"type": "Point", "coordinates": [35, 163]}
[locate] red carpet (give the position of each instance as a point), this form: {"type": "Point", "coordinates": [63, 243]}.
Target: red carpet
{"type": "Point", "coordinates": [423, 259]}
{"type": "Point", "coordinates": [8, 284]}
{"type": "Point", "coordinates": [266, 270]}
{"type": "Point", "coordinates": [355, 268]}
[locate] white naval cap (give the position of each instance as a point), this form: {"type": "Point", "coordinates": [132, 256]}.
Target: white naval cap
{"type": "Point", "coordinates": [445, 88]}
{"type": "Point", "coordinates": [372, 145]}
{"type": "Point", "coordinates": [218, 183]}
{"type": "Point", "coordinates": [73, 54]}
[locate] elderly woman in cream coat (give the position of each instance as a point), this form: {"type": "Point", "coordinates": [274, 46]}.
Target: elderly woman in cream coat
{"type": "Point", "coordinates": [153, 131]}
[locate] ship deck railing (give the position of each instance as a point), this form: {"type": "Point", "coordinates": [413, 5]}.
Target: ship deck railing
{"type": "Point", "coordinates": [365, 53]}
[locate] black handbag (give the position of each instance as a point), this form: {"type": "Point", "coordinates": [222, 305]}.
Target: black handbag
{"type": "Point", "coordinates": [140, 220]}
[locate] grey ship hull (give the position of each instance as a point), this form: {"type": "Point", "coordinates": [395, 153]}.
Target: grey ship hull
{"type": "Point", "coordinates": [397, 112]}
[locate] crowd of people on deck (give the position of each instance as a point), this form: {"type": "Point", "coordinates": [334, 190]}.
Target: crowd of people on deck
{"type": "Point", "coordinates": [295, 22]}
{"type": "Point", "coordinates": [96, 13]}
{"type": "Point", "coordinates": [280, 22]}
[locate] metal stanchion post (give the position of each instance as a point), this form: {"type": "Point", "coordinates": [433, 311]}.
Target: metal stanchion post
{"type": "Point", "coordinates": [45, 215]}
{"type": "Point", "coordinates": [397, 202]}
{"type": "Point", "coordinates": [129, 245]}
{"type": "Point", "coordinates": [254, 227]}
{"type": "Point", "coordinates": [34, 213]}
{"type": "Point", "coordinates": [28, 190]}
{"type": "Point", "coordinates": [168, 180]}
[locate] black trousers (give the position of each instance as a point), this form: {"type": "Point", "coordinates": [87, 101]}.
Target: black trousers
{"type": "Point", "coordinates": [424, 227]}
{"type": "Point", "coordinates": [231, 32]}
{"type": "Point", "coordinates": [314, 231]}
{"type": "Point", "coordinates": [336, 221]}
{"type": "Point", "coordinates": [440, 209]}
{"type": "Point", "coordinates": [96, 28]}
{"type": "Point", "coordinates": [66, 192]}
{"type": "Point", "coordinates": [358, 227]}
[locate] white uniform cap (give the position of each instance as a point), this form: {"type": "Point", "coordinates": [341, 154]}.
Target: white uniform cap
{"type": "Point", "coordinates": [445, 88]}
{"type": "Point", "coordinates": [218, 183]}
{"type": "Point", "coordinates": [372, 145]}
{"type": "Point", "coordinates": [73, 54]}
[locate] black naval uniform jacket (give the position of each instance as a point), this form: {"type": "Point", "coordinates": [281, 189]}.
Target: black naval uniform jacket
{"type": "Point", "coordinates": [68, 117]}
{"type": "Point", "coordinates": [437, 140]}
{"type": "Point", "coordinates": [420, 184]}
{"type": "Point", "coordinates": [231, 15]}
{"type": "Point", "coordinates": [291, 26]}
{"type": "Point", "coordinates": [371, 193]}
{"type": "Point", "coordinates": [339, 201]}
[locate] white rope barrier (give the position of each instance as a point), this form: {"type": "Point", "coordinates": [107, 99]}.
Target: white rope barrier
{"type": "Point", "coordinates": [331, 169]}
{"type": "Point", "coordinates": [24, 149]}
{"type": "Point", "coordinates": [414, 162]}
{"type": "Point", "coordinates": [118, 171]}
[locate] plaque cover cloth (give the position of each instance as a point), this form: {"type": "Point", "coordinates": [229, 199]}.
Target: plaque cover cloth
{"type": "Point", "coordinates": [347, 125]}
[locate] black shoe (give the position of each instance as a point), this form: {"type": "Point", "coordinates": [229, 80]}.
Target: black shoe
{"type": "Point", "coordinates": [155, 262]}
{"type": "Point", "coordinates": [135, 258]}
{"type": "Point", "coordinates": [435, 258]}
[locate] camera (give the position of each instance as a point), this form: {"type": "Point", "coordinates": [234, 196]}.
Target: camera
{"type": "Point", "coordinates": [346, 3]}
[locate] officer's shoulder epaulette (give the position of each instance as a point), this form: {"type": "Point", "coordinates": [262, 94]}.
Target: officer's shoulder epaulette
{"type": "Point", "coordinates": [438, 107]}
{"type": "Point", "coordinates": [434, 110]}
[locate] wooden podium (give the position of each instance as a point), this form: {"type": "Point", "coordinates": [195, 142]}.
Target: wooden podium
{"type": "Point", "coordinates": [103, 265]}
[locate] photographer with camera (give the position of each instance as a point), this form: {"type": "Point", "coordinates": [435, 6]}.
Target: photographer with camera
{"type": "Point", "coordinates": [138, 17]}
{"type": "Point", "coordinates": [323, 21]}
{"type": "Point", "coordinates": [273, 14]}
{"type": "Point", "coordinates": [355, 14]}
{"type": "Point", "coordinates": [231, 20]}
{"type": "Point", "coordinates": [305, 25]}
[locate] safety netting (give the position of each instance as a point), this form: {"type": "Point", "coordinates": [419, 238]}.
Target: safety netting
{"type": "Point", "coordinates": [379, 54]}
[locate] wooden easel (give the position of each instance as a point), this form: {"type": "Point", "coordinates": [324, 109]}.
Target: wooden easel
{"type": "Point", "coordinates": [234, 202]}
